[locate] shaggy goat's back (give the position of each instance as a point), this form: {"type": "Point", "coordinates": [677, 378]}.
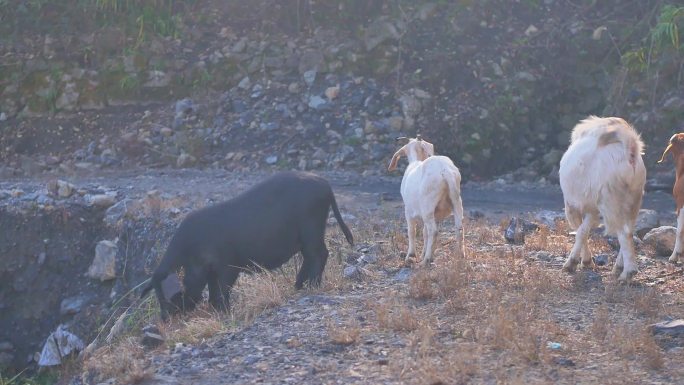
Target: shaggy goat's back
{"type": "Point", "coordinates": [602, 164]}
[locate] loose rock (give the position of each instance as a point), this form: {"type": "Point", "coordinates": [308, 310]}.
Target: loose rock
{"type": "Point", "coordinates": [104, 264]}
{"type": "Point", "coordinates": [662, 239]}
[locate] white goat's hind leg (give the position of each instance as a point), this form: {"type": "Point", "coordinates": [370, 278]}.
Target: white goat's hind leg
{"type": "Point", "coordinates": [586, 255]}
{"type": "Point", "coordinates": [580, 238]}
{"type": "Point", "coordinates": [677, 252]}
{"type": "Point", "coordinates": [411, 224]}
{"type": "Point", "coordinates": [431, 227]}
{"type": "Point", "coordinates": [626, 255]}
{"type": "Point", "coordinates": [458, 221]}
{"type": "Point", "coordinates": [585, 252]}
{"type": "Point", "coordinates": [425, 241]}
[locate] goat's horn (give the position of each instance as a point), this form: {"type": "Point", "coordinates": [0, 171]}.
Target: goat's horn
{"type": "Point", "coordinates": [669, 146]}
{"type": "Point", "coordinates": [402, 138]}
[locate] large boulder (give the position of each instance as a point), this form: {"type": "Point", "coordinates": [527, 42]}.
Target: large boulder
{"type": "Point", "coordinates": [662, 239]}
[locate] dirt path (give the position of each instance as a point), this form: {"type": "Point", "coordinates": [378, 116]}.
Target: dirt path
{"type": "Point", "coordinates": [490, 198]}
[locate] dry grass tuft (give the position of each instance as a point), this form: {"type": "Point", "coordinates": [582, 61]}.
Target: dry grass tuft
{"type": "Point", "coordinates": [124, 361]}
{"type": "Point", "coordinates": [647, 302]}
{"type": "Point", "coordinates": [262, 290]}
{"type": "Point", "coordinates": [192, 329]}
{"type": "Point", "coordinates": [420, 285]}
{"type": "Point", "coordinates": [343, 334]}
{"type": "Point", "coordinates": [395, 315]}
{"type": "Point", "coordinates": [601, 323]}
{"type": "Point", "coordinates": [651, 352]}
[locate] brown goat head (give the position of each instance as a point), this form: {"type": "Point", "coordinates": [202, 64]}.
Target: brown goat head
{"type": "Point", "coordinates": [676, 146]}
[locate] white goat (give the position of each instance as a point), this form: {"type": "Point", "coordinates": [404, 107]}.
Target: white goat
{"type": "Point", "coordinates": [431, 190]}
{"type": "Point", "coordinates": [602, 173]}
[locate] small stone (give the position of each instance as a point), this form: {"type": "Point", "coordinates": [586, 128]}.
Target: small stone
{"type": "Point", "coordinates": [332, 92]}
{"type": "Point", "coordinates": [309, 77]}
{"type": "Point", "coordinates": [166, 132]}
{"type": "Point", "coordinates": [101, 200]}
{"type": "Point", "coordinates": [562, 361]}
{"type": "Point", "coordinates": [71, 305]}
{"type": "Point", "coordinates": [543, 256]}
{"type": "Point", "coordinates": [151, 339]}
{"type": "Point", "coordinates": [316, 102]}
{"type": "Point", "coordinates": [273, 159]}
{"type": "Point", "coordinates": [3, 116]}
{"type": "Point", "coordinates": [367, 258]}
{"type": "Point", "coordinates": [184, 107]}
{"type": "Point", "coordinates": [116, 212]}
{"type": "Point", "coordinates": [351, 272]}
{"type": "Point", "coordinates": [245, 83]}
{"type": "Point", "coordinates": [403, 274]}
{"type": "Point", "coordinates": [674, 328]}
{"type": "Point", "coordinates": [554, 345]}
{"type": "Point", "coordinates": [185, 160]}
{"type": "Point", "coordinates": [293, 88]}
{"type": "Point", "coordinates": [251, 359]}
{"type": "Point", "coordinates": [60, 188]}
{"type": "Point", "coordinates": [104, 263]}
{"type": "Point", "coordinates": [531, 30]}
{"type": "Point", "coordinates": [601, 259]}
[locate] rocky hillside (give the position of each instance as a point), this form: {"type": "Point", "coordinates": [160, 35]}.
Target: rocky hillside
{"type": "Point", "coordinates": [325, 85]}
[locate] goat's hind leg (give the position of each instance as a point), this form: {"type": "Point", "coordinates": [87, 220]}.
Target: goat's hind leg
{"type": "Point", "coordinates": [585, 252]}
{"type": "Point", "coordinates": [412, 225]}
{"type": "Point", "coordinates": [458, 222]}
{"type": "Point", "coordinates": [314, 252]}
{"type": "Point", "coordinates": [430, 226]}
{"type": "Point", "coordinates": [581, 237]}
{"type": "Point", "coordinates": [677, 252]}
{"type": "Point", "coordinates": [625, 261]}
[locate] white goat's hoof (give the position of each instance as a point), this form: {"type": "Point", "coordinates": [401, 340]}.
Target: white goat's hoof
{"type": "Point", "coordinates": [626, 276]}
{"type": "Point", "coordinates": [674, 258]}
{"type": "Point", "coordinates": [588, 264]}
{"type": "Point", "coordinates": [570, 266]}
{"type": "Point", "coordinates": [617, 270]}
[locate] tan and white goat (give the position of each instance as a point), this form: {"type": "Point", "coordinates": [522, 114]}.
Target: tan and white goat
{"type": "Point", "coordinates": [431, 190]}
{"type": "Point", "coordinates": [602, 173]}
{"type": "Point", "coordinates": [676, 146]}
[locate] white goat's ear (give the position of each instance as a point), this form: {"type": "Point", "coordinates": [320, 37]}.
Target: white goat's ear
{"type": "Point", "coordinates": [395, 158]}
{"type": "Point", "coordinates": [430, 148]}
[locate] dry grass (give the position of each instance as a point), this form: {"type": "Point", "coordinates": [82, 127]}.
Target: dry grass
{"type": "Point", "coordinates": [124, 361]}
{"type": "Point", "coordinates": [502, 307]}
{"type": "Point", "coordinates": [343, 334]}
{"type": "Point", "coordinates": [202, 324]}
{"type": "Point", "coordinates": [601, 323]}
{"type": "Point", "coordinates": [487, 318]}
{"type": "Point", "coordinates": [254, 293]}
{"type": "Point", "coordinates": [420, 285]}
{"type": "Point", "coordinates": [396, 315]}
